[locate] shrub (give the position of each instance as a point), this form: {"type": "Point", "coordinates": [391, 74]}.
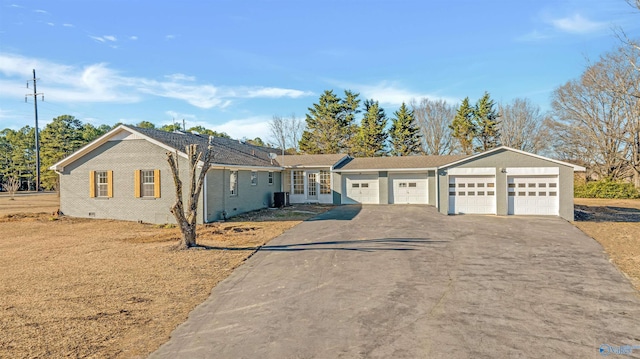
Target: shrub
{"type": "Point", "coordinates": [606, 189]}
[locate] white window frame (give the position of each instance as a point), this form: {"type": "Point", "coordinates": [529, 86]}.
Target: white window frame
{"type": "Point", "coordinates": [102, 184]}
{"type": "Point", "coordinates": [254, 178]}
{"type": "Point", "coordinates": [325, 182]}
{"type": "Point", "coordinates": [270, 181]}
{"type": "Point", "coordinates": [146, 186]}
{"type": "Point", "coordinates": [233, 183]}
{"type": "Point", "coordinates": [297, 186]}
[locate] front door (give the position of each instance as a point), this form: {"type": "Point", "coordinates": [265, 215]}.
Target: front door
{"type": "Point", "coordinates": [312, 186]}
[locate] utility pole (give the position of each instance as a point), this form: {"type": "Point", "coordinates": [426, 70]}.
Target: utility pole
{"type": "Point", "coordinates": [35, 107]}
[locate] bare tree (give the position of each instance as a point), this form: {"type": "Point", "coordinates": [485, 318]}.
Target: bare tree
{"type": "Point", "coordinates": [522, 126]}
{"type": "Point", "coordinates": [591, 122]}
{"type": "Point", "coordinates": [286, 131]}
{"type": "Point", "coordinates": [187, 217]}
{"type": "Point", "coordinates": [433, 118]}
{"type": "Point", "coordinates": [11, 184]}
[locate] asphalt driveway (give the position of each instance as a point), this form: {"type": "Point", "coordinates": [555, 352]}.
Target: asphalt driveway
{"type": "Point", "coordinates": [406, 282]}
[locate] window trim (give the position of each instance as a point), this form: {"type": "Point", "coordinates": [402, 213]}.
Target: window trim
{"type": "Point", "coordinates": [254, 178]}
{"type": "Point", "coordinates": [94, 184]}
{"type": "Point", "coordinates": [270, 178]}
{"type": "Point", "coordinates": [297, 187]}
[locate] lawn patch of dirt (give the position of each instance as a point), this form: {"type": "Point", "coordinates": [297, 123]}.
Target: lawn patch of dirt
{"type": "Point", "coordinates": [615, 224]}
{"type": "Point", "coordinates": [75, 287]}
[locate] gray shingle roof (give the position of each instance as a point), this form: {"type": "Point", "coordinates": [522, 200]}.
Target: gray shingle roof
{"type": "Point", "coordinates": [397, 162]}
{"type": "Point", "coordinates": [327, 160]}
{"type": "Point", "coordinates": [226, 151]}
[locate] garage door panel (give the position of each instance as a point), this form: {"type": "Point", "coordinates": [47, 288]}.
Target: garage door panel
{"type": "Point", "coordinates": [409, 188]}
{"type": "Point", "coordinates": [361, 189]}
{"type": "Point", "coordinates": [472, 194]}
{"type": "Point", "coordinates": [533, 195]}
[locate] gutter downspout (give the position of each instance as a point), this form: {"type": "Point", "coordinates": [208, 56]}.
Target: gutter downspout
{"type": "Point", "coordinates": [204, 199]}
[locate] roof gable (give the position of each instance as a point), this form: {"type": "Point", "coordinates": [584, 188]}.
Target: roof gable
{"type": "Point", "coordinates": [505, 148]}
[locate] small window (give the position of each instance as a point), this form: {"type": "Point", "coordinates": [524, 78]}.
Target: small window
{"type": "Point", "coordinates": [532, 194]}
{"type": "Point", "coordinates": [480, 193]}
{"type": "Point", "coordinates": [480, 185]}
{"type": "Point", "coordinates": [553, 185]}
{"type": "Point", "coordinates": [532, 185]}
{"type": "Point", "coordinates": [452, 185]}
{"type": "Point", "coordinates": [270, 178]}
{"type": "Point", "coordinates": [522, 194]}
{"type": "Point", "coordinates": [490, 193]}
{"type": "Point", "coordinates": [452, 193]}
{"type": "Point", "coordinates": [471, 185]}
{"type": "Point", "coordinates": [512, 185]}
{"type": "Point", "coordinates": [511, 194]}
{"type": "Point", "coordinates": [355, 185]}
{"type": "Point", "coordinates": [461, 185]}
{"type": "Point", "coordinates": [413, 185]}
{"type": "Point", "coordinates": [521, 185]}
{"type": "Point", "coordinates": [490, 185]}
{"type": "Point", "coordinates": [461, 193]}
{"type": "Point", "coordinates": [233, 183]}
{"type": "Point", "coordinates": [102, 183]}
{"type": "Point", "coordinates": [542, 185]}
{"type": "Point", "coordinates": [254, 178]}
{"type": "Point", "coordinates": [472, 193]}
{"type": "Point", "coordinates": [402, 185]}
{"type": "Point", "coordinates": [553, 194]}
{"type": "Point", "coordinates": [364, 185]}
{"type": "Point", "coordinates": [542, 194]}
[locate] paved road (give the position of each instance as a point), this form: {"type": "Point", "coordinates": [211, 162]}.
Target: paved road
{"type": "Point", "coordinates": [407, 282]}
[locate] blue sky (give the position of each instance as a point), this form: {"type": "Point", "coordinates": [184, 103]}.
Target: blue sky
{"type": "Point", "coordinates": [232, 65]}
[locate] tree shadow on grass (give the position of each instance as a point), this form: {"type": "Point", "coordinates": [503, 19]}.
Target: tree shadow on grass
{"type": "Point", "coordinates": [364, 245]}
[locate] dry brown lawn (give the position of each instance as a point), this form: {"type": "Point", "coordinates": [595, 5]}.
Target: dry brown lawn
{"type": "Point", "coordinates": [615, 224]}
{"type": "Point", "coordinates": [112, 289]}
{"type": "Point", "coordinates": [48, 203]}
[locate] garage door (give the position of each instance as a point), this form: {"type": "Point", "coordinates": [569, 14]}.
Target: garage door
{"type": "Point", "coordinates": [472, 194]}
{"type": "Point", "coordinates": [361, 189]}
{"type": "Point", "coordinates": [533, 195]}
{"type": "Point", "coordinates": [408, 188]}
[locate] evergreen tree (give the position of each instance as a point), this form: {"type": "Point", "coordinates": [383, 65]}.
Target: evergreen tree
{"type": "Point", "coordinates": [145, 124]}
{"type": "Point", "coordinates": [404, 133]}
{"type": "Point", "coordinates": [372, 137]}
{"type": "Point", "coordinates": [463, 127]}
{"type": "Point", "coordinates": [330, 124]}
{"type": "Point", "coordinates": [485, 121]}
{"type": "Point", "coordinates": [59, 139]}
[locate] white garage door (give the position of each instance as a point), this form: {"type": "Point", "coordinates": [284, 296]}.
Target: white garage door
{"type": "Point", "coordinates": [534, 195]}
{"type": "Point", "coordinates": [472, 194]}
{"type": "Point", "coordinates": [408, 188]}
{"type": "Point", "coordinates": [361, 189]}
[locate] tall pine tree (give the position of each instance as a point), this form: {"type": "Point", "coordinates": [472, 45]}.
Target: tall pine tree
{"type": "Point", "coordinates": [330, 124]}
{"type": "Point", "coordinates": [485, 121]}
{"type": "Point", "coordinates": [372, 137]}
{"type": "Point", "coordinates": [404, 134]}
{"type": "Point", "coordinates": [59, 139]}
{"type": "Point", "coordinates": [463, 127]}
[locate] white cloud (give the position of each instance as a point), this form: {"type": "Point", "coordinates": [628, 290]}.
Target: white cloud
{"type": "Point", "coordinates": [104, 39]}
{"type": "Point", "coordinates": [534, 35]}
{"type": "Point", "coordinates": [390, 93]}
{"type": "Point", "coordinates": [170, 37]}
{"type": "Point", "coordinates": [110, 38]}
{"type": "Point", "coordinates": [576, 24]}
{"type": "Point", "coordinates": [67, 25]}
{"type": "Point", "coordinates": [51, 24]}
{"type": "Point", "coordinates": [99, 83]}
{"type": "Point", "coordinates": [41, 11]}
{"type": "Point", "coordinates": [133, 38]}
{"type": "Point", "coordinates": [271, 92]}
{"type": "Point", "coordinates": [252, 127]}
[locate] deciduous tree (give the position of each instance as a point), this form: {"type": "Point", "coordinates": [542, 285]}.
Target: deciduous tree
{"type": "Point", "coordinates": [434, 119]}
{"type": "Point", "coordinates": [522, 126]}
{"type": "Point", "coordinates": [199, 163]}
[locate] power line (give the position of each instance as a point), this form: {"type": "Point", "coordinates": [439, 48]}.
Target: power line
{"type": "Point", "coordinates": [35, 107]}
